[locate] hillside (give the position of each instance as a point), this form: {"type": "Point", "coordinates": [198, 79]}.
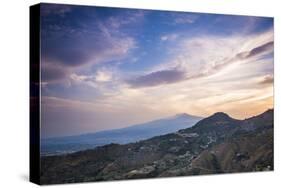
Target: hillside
{"type": "Point", "coordinates": [133, 133]}
{"type": "Point", "coordinates": [216, 144]}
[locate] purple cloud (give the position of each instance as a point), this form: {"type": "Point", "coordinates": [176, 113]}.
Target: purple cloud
{"type": "Point", "coordinates": [68, 45]}
{"type": "Point", "coordinates": [269, 79]}
{"type": "Point", "coordinates": [157, 78]}
{"type": "Point", "coordinates": [260, 49]}
{"type": "Point", "coordinates": [255, 51]}
{"type": "Point", "coordinates": [53, 73]}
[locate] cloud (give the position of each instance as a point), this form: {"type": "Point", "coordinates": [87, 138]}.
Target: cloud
{"type": "Point", "coordinates": [185, 18]}
{"type": "Point", "coordinates": [98, 76]}
{"type": "Point", "coordinates": [76, 50]}
{"type": "Point", "coordinates": [157, 78]}
{"type": "Point", "coordinates": [256, 51]}
{"type": "Point", "coordinates": [103, 76]}
{"type": "Point", "coordinates": [169, 37]}
{"type": "Point", "coordinates": [104, 82]}
{"type": "Point", "coordinates": [126, 18]}
{"type": "Point", "coordinates": [242, 56]}
{"type": "Point", "coordinates": [82, 43]}
{"type": "Point", "coordinates": [268, 79]}
{"type": "Point", "coordinates": [88, 80]}
{"type": "Point", "coordinates": [52, 74]}
{"type": "Point", "coordinates": [59, 10]}
{"type": "Point", "coordinates": [261, 49]}
{"type": "Point", "coordinates": [187, 66]}
{"type": "Point", "coordinates": [200, 58]}
{"type": "Point", "coordinates": [172, 76]}
{"type": "Point", "coordinates": [80, 78]}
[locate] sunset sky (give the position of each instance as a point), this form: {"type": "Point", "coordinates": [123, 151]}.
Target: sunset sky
{"type": "Point", "coordinates": [107, 68]}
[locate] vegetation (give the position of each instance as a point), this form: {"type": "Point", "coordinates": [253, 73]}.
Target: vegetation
{"type": "Point", "coordinates": [217, 144]}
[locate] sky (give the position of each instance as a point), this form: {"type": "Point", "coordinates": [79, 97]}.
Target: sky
{"type": "Point", "coordinates": [107, 68]}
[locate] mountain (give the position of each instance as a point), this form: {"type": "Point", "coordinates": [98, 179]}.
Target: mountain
{"type": "Point", "coordinates": [69, 144]}
{"type": "Point", "coordinates": [216, 144]}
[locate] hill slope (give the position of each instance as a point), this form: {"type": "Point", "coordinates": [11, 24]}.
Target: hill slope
{"type": "Point", "coordinates": [69, 144]}
{"type": "Point", "coordinates": [217, 144]}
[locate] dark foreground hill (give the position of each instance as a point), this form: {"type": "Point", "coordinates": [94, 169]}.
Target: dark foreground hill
{"type": "Point", "coordinates": [217, 144]}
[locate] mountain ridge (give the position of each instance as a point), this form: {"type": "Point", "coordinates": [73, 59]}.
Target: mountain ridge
{"type": "Point", "coordinates": [69, 144]}
{"type": "Point", "coordinates": [197, 150]}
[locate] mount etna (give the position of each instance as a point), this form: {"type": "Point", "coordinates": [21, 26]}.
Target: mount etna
{"type": "Point", "coordinates": [70, 144]}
